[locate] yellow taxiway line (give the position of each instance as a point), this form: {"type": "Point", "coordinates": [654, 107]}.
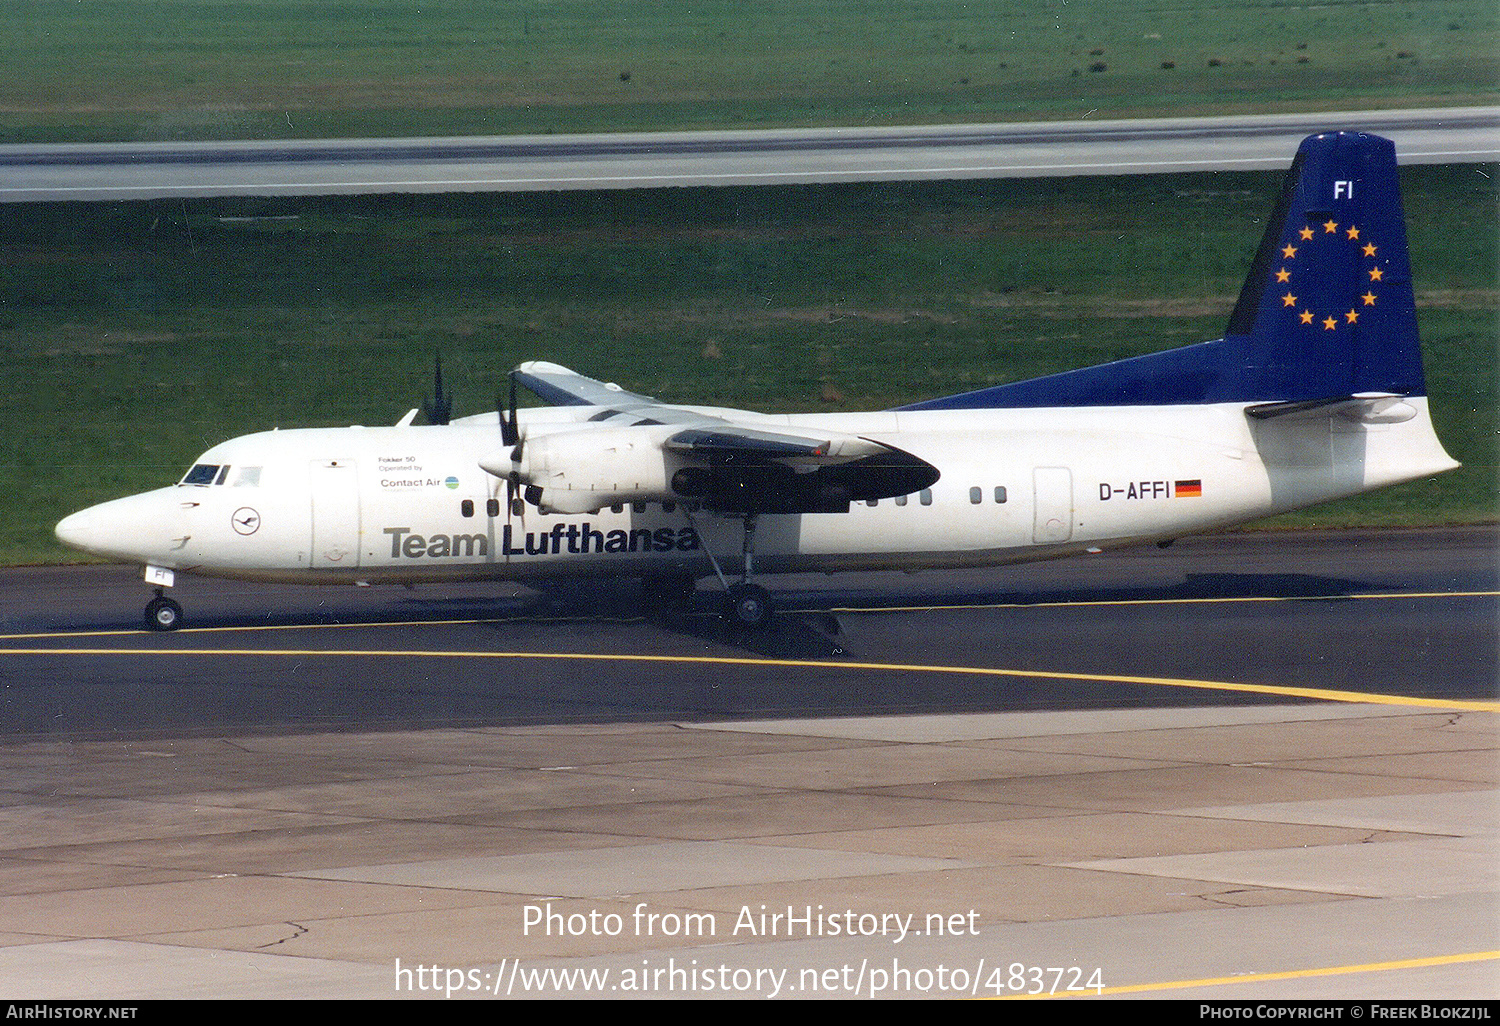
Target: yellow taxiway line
{"type": "Point", "coordinates": [1284, 691]}
{"type": "Point", "coordinates": [1206, 601]}
{"type": "Point", "coordinates": [1290, 974]}
{"type": "Point", "coordinates": [523, 618]}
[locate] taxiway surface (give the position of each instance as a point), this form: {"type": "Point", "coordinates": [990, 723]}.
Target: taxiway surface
{"type": "Point", "coordinates": [1245, 766]}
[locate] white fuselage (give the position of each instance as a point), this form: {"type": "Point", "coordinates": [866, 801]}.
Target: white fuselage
{"type": "Point", "coordinates": [410, 504]}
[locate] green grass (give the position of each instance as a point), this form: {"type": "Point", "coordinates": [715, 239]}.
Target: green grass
{"type": "Point", "coordinates": [171, 69]}
{"type": "Point", "coordinates": [136, 335]}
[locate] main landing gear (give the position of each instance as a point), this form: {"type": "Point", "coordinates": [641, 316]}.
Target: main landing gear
{"type": "Point", "coordinates": [745, 604]}
{"type": "Point", "coordinates": [748, 605]}
{"type": "Point", "coordinates": [163, 614]}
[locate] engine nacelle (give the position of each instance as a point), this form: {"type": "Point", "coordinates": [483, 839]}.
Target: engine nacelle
{"type": "Point", "coordinates": [583, 471]}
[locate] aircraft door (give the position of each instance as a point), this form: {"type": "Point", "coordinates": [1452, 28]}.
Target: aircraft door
{"type": "Point", "coordinates": [1054, 505]}
{"type": "Point", "coordinates": [335, 514]}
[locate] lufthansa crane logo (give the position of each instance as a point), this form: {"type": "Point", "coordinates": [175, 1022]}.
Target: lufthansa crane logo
{"type": "Point", "coordinates": [245, 520]}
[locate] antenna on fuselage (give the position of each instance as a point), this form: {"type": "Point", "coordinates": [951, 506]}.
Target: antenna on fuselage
{"type": "Point", "coordinates": [439, 408]}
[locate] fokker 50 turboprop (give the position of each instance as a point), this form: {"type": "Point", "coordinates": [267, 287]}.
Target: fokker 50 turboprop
{"type": "Point", "coordinates": [1315, 392]}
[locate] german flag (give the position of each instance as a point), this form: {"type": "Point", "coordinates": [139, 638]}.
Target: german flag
{"type": "Point", "coordinates": [1188, 489]}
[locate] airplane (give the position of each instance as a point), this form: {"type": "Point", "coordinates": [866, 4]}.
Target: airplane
{"type": "Point", "coordinates": [1315, 392]}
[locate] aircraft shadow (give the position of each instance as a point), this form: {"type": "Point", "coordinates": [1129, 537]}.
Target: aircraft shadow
{"type": "Point", "coordinates": [1193, 587]}
{"type": "Point", "coordinates": [808, 625]}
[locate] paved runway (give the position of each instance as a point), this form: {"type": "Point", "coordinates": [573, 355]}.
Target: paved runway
{"type": "Point", "coordinates": [1246, 766]}
{"type": "Point", "coordinates": [780, 157]}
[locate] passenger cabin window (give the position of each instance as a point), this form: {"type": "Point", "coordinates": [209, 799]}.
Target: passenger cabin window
{"type": "Point", "coordinates": [492, 507]}
{"type": "Point", "coordinates": [901, 500]}
{"type": "Point", "coordinates": [202, 474]}
{"type": "Point", "coordinates": [925, 496]}
{"type": "Point", "coordinates": [976, 495]}
{"type": "Point", "coordinates": [466, 507]}
{"type": "Point", "coordinates": [999, 493]}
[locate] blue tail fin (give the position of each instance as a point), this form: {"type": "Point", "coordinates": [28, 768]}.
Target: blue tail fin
{"type": "Point", "coordinates": [1326, 311]}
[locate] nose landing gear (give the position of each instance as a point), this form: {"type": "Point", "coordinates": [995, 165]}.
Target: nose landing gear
{"type": "Point", "coordinates": [163, 614]}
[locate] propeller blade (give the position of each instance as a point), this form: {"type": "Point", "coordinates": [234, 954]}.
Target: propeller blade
{"type": "Point", "coordinates": [510, 432]}
{"type": "Point", "coordinates": [512, 428]}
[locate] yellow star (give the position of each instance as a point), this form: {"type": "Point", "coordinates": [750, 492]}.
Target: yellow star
{"type": "Point", "coordinates": [1289, 251]}
{"type": "Point", "coordinates": [1353, 234]}
{"type": "Point", "coordinates": [1369, 298]}
{"type": "Point", "coordinates": [1351, 316]}
{"type": "Point", "coordinates": [1288, 300]}
{"type": "Point", "coordinates": [1307, 317]}
{"type": "Point", "coordinates": [1283, 276]}
{"type": "Point", "coordinates": [1369, 249]}
{"type": "Point", "coordinates": [1307, 233]}
{"type": "Point", "coordinates": [1375, 273]}
{"type": "Point", "coordinates": [1329, 323]}
{"type": "Point", "coordinates": [1330, 226]}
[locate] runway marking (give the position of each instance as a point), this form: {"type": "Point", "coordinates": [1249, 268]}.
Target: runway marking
{"type": "Point", "coordinates": [132, 632]}
{"type": "Point", "coordinates": [1364, 596]}
{"type": "Point", "coordinates": [1290, 974]}
{"type": "Point", "coordinates": [1321, 694]}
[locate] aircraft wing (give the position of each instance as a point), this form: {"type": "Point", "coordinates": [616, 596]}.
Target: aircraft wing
{"type": "Point", "coordinates": [560, 386]}
{"type": "Point", "coordinates": [636, 448]}
{"type": "Point", "coordinates": [716, 439]}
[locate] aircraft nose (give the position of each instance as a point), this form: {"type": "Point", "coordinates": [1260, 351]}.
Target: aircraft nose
{"type": "Point", "coordinates": [80, 530]}
{"type": "Point", "coordinates": [133, 528]}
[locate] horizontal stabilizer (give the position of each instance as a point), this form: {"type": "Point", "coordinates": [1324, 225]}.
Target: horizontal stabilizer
{"type": "Point", "coordinates": [1369, 409]}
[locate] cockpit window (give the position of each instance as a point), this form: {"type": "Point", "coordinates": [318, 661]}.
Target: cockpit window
{"type": "Point", "coordinates": [202, 474]}
{"type": "Point", "coordinates": [248, 477]}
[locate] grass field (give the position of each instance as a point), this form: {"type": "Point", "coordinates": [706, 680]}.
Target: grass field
{"type": "Point", "coordinates": [264, 69]}
{"type": "Point", "coordinates": [135, 335]}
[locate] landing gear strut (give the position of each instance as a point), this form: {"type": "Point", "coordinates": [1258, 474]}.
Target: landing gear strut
{"type": "Point", "coordinates": [745, 604]}
{"type": "Point", "coordinates": [163, 614]}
